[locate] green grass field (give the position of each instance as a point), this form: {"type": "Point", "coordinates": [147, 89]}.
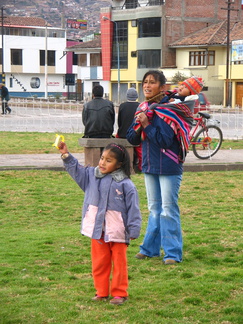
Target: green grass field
{"type": "Point", "coordinates": [45, 268]}
{"type": "Point", "coordinates": [36, 143]}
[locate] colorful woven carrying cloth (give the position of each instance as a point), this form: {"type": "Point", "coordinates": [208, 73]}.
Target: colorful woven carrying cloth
{"type": "Point", "coordinates": [178, 116]}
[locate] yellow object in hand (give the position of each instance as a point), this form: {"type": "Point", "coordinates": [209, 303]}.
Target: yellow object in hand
{"type": "Point", "coordinates": [59, 138]}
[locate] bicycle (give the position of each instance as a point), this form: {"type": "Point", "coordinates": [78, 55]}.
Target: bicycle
{"type": "Point", "coordinates": [206, 137]}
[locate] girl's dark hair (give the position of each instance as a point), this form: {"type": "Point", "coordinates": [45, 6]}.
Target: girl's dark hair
{"type": "Point", "coordinates": [158, 76]}
{"type": "Point", "coordinates": [122, 156]}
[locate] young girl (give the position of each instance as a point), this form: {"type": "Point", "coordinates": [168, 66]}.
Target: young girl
{"type": "Point", "coordinates": [110, 217]}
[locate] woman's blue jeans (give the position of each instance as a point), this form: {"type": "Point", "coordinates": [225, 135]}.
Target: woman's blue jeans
{"type": "Point", "coordinates": [164, 226]}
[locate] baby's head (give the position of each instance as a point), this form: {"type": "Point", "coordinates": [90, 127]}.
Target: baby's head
{"type": "Point", "coordinates": [193, 84]}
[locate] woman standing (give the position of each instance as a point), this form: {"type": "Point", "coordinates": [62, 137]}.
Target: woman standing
{"type": "Point", "coordinates": [163, 128]}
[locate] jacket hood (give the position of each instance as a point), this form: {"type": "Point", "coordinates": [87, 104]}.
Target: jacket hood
{"type": "Point", "coordinates": [117, 175]}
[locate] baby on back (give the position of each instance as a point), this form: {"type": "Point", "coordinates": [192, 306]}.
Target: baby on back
{"type": "Point", "coordinates": [187, 90]}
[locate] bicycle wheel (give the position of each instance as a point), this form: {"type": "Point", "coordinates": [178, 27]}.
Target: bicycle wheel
{"type": "Point", "coordinates": [207, 142]}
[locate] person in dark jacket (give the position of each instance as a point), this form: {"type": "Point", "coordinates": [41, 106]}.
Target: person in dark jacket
{"type": "Point", "coordinates": [126, 112]}
{"type": "Point", "coordinates": [5, 99]}
{"type": "Point", "coordinates": [125, 118]}
{"type": "Point", "coordinates": [98, 115]}
{"type": "Point", "coordinates": [163, 128]}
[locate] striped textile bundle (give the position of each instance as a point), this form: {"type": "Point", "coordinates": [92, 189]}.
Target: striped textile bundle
{"type": "Point", "coordinates": [178, 116]}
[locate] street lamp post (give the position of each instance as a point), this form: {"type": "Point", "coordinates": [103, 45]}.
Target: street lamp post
{"type": "Point", "coordinates": [118, 57]}
{"type": "Point", "coordinates": [227, 85]}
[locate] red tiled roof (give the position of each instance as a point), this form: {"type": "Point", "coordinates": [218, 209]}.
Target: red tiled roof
{"type": "Point", "coordinates": [24, 21]}
{"type": "Point", "coordinates": [95, 43]}
{"type": "Point", "coordinates": [215, 34]}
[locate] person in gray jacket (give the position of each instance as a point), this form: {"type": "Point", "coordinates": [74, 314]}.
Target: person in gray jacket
{"type": "Point", "coordinates": [110, 217]}
{"type": "Point", "coordinates": [98, 115]}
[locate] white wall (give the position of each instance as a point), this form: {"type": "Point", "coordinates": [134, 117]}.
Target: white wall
{"type": "Point", "coordinates": [30, 68]}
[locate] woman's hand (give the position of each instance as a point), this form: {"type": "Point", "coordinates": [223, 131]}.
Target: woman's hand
{"type": "Point", "coordinates": [142, 119]}
{"type": "Point", "coordinates": [62, 148]}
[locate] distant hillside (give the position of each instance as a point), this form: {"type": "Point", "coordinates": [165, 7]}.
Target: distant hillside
{"type": "Point", "coordinates": [55, 12]}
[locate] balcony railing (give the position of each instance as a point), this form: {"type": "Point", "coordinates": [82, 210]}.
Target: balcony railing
{"type": "Point", "coordinates": [132, 4]}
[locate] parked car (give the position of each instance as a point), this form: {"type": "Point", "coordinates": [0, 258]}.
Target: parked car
{"type": "Point", "coordinates": [201, 103]}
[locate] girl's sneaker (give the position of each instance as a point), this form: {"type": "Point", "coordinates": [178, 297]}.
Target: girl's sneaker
{"type": "Point", "coordinates": [99, 298]}
{"type": "Point", "coordinates": [118, 300]}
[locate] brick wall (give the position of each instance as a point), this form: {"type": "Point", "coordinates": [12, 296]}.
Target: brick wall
{"type": "Point", "coordinates": [183, 17]}
{"type": "Point", "coordinates": [106, 43]}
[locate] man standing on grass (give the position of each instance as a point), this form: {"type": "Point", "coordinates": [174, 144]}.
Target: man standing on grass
{"type": "Point", "coordinates": [98, 115]}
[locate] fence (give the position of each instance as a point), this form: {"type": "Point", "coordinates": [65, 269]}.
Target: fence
{"type": "Point", "coordinates": [231, 121]}
{"type": "Point", "coordinates": [31, 115]}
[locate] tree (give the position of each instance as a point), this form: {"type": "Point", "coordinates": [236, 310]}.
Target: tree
{"type": "Point", "coordinates": [178, 77]}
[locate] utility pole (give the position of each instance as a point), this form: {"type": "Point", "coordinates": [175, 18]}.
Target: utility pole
{"type": "Point", "coordinates": [2, 29]}
{"type": "Point", "coordinates": [46, 62]}
{"type": "Point", "coordinates": [227, 85]}
{"type": "Point", "coordinates": [3, 73]}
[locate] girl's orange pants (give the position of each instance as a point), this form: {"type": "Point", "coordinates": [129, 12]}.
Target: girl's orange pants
{"type": "Point", "coordinates": [106, 258]}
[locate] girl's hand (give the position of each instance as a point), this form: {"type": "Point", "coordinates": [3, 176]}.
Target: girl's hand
{"type": "Point", "coordinates": [143, 119]}
{"type": "Point", "coordinates": [62, 148]}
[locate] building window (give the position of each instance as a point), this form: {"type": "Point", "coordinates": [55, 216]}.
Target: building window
{"type": "Point", "coordinates": [95, 59]}
{"type": "Point", "coordinates": [51, 60]}
{"type": "Point", "coordinates": [16, 56]}
{"type": "Point", "coordinates": [14, 31]}
{"type": "Point", "coordinates": [130, 4]}
{"type": "Point", "coordinates": [82, 60]}
{"type": "Point", "coordinates": [149, 59]}
{"type": "Point", "coordinates": [75, 59]}
{"type": "Point", "coordinates": [149, 27]}
{"type": "Point", "coordinates": [199, 58]}
{"type": "Point", "coordinates": [155, 2]}
{"type": "Point", "coordinates": [34, 32]}
{"type": "Point", "coordinates": [122, 41]}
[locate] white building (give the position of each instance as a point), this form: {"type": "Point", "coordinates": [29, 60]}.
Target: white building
{"type": "Point", "coordinates": [89, 68]}
{"type": "Point", "coordinates": [27, 42]}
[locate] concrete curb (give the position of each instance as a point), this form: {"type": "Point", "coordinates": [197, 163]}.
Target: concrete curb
{"type": "Point", "coordinates": [213, 167]}
{"type": "Point", "coordinates": [187, 168]}
{"type": "Point", "coordinates": [224, 160]}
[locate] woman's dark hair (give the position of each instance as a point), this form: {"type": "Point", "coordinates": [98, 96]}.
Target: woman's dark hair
{"type": "Point", "coordinates": [158, 76]}
{"type": "Point", "coordinates": [122, 156]}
